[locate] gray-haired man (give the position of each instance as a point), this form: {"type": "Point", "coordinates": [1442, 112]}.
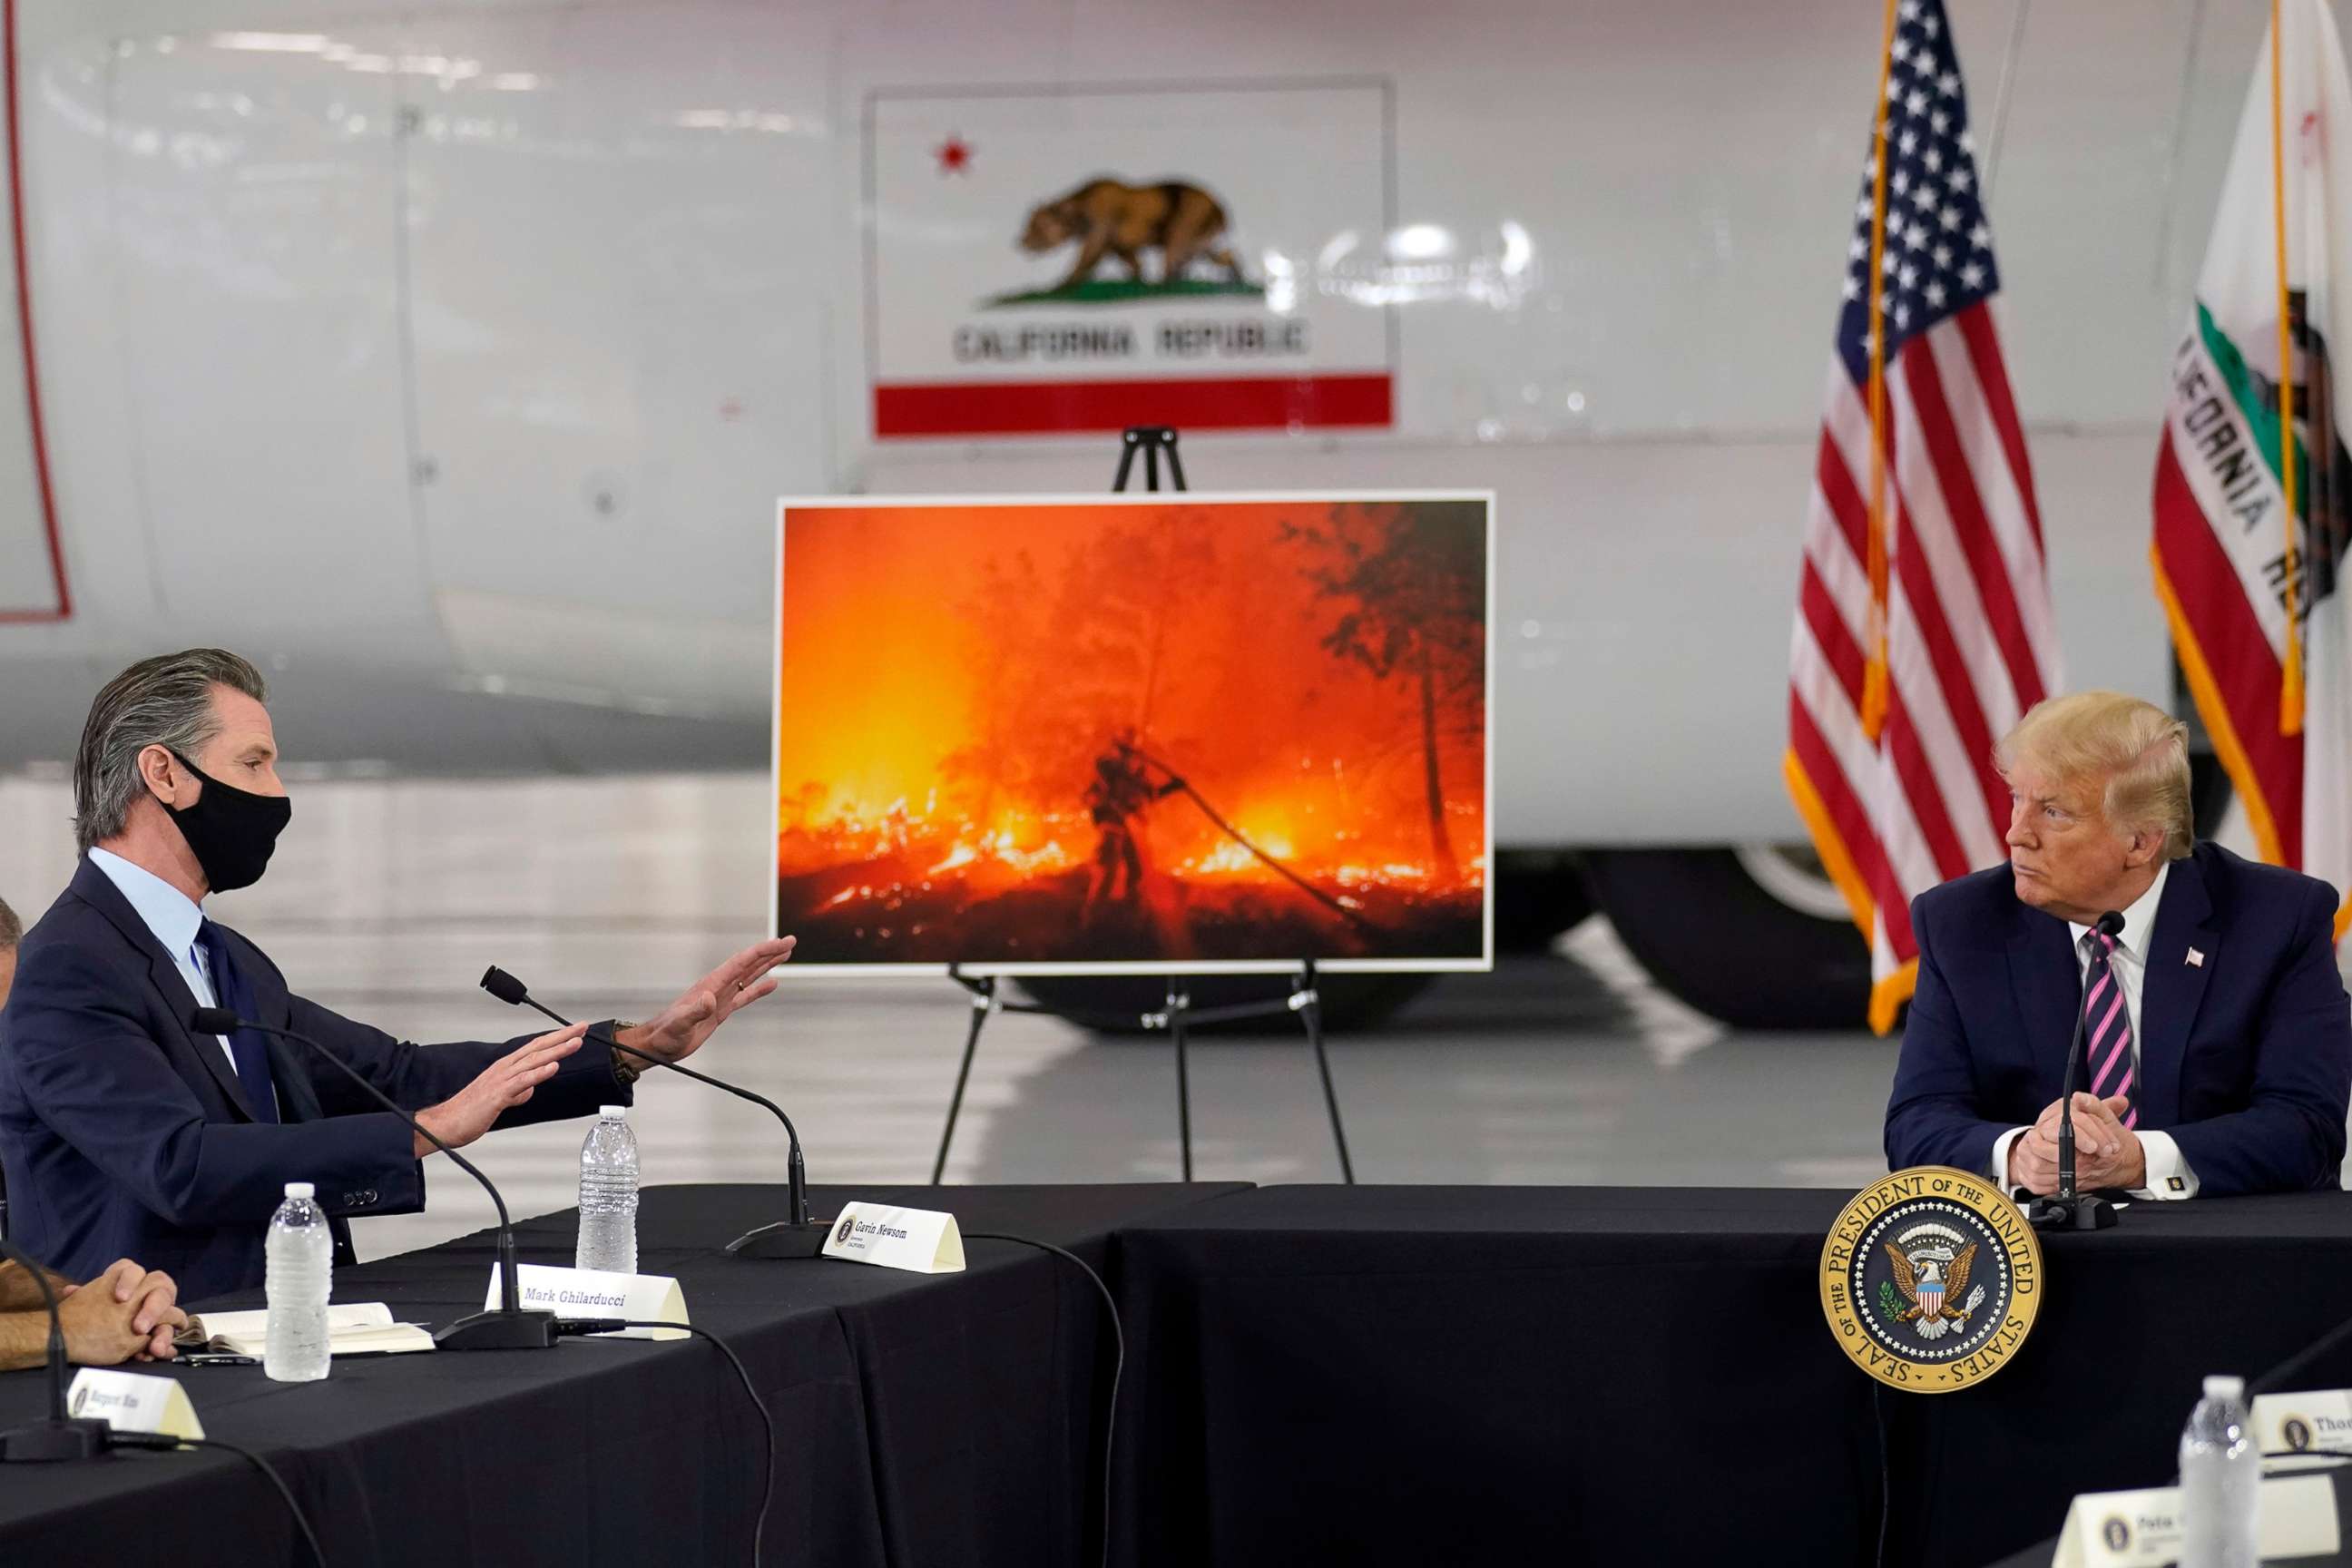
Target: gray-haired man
{"type": "Point", "coordinates": [124, 1133]}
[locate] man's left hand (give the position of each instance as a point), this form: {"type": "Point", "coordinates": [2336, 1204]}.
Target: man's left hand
{"type": "Point", "coordinates": [2107, 1153]}
{"type": "Point", "coordinates": [682, 1026]}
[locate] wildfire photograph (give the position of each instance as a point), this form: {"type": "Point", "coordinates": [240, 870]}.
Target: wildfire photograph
{"type": "Point", "coordinates": [1161, 731]}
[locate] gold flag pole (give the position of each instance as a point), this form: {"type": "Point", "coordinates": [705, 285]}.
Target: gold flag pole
{"type": "Point", "coordinates": [1874, 673]}
{"type": "Point", "coordinates": [2290, 666]}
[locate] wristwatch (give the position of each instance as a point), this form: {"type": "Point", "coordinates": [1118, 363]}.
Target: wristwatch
{"type": "Point", "coordinates": [626, 1067]}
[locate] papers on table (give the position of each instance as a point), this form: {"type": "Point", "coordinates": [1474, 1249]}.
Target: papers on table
{"type": "Point", "coordinates": [354, 1327]}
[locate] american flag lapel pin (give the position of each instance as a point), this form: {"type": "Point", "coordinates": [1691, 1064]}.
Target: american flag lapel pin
{"type": "Point", "coordinates": [2196, 958]}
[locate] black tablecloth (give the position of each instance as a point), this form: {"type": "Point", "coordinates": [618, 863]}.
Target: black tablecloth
{"type": "Point", "coordinates": [919, 1419]}
{"type": "Point", "coordinates": [1425, 1375]}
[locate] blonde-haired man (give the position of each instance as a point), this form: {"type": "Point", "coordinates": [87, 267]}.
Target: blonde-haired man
{"type": "Point", "coordinates": [2217, 1038]}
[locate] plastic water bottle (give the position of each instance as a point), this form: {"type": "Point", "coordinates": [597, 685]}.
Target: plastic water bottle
{"type": "Point", "coordinates": [608, 1194]}
{"type": "Point", "coordinates": [2221, 1480]}
{"type": "Point", "coordinates": [300, 1258]}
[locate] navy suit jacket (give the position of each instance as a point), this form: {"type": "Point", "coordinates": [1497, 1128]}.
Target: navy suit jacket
{"type": "Point", "coordinates": [123, 1134]}
{"type": "Point", "coordinates": [2245, 1058]}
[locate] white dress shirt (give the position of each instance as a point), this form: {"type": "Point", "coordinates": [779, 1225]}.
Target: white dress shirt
{"type": "Point", "coordinates": [2168, 1175]}
{"type": "Point", "coordinates": [175, 920]}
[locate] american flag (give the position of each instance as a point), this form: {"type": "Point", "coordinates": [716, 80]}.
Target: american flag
{"type": "Point", "coordinates": [1940, 586]}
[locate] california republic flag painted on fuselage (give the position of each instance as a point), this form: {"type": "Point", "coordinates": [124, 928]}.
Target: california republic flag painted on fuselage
{"type": "Point", "coordinates": [2222, 541]}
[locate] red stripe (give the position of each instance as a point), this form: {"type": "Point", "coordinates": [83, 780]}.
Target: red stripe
{"type": "Point", "coordinates": [1959, 693]}
{"type": "Point", "coordinates": [1838, 647]}
{"type": "Point", "coordinates": [1853, 826]}
{"type": "Point", "coordinates": [2236, 648]}
{"type": "Point", "coordinates": [1970, 524]}
{"type": "Point", "coordinates": [1983, 339]}
{"type": "Point", "coordinates": [1030, 407]}
{"type": "Point", "coordinates": [1845, 497]}
{"type": "Point", "coordinates": [64, 609]}
{"type": "Point", "coordinates": [1920, 787]}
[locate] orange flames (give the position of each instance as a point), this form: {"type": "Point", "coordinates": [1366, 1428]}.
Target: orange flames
{"type": "Point", "coordinates": [1130, 730]}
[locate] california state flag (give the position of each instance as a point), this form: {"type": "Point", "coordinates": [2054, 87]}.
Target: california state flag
{"type": "Point", "coordinates": [2260, 617]}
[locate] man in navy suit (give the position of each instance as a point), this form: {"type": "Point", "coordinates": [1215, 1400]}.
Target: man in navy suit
{"type": "Point", "coordinates": [123, 1132]}
{"type": "Point", "coordinates": [2217, 1053]}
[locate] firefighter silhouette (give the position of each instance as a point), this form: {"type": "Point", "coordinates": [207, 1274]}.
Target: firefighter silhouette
{"type": "Point", "coordinates": [1120, 791]}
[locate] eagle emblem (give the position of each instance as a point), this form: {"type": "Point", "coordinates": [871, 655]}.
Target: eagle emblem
{"type": "Point", "coordinates": [1931, 1263]}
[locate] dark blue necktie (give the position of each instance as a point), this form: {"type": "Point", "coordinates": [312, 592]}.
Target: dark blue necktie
{"type": "Point", "coordinates": [250, 1048]}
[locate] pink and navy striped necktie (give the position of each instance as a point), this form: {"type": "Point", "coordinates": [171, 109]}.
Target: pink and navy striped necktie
{"type": "Point", "coordinates": [2106, 1027]}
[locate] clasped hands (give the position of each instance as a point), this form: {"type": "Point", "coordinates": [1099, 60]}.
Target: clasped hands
{"type": "Point", "coordinates": [127, 1313]}
{"type": "Point", "coordinates": [2106, 1153]}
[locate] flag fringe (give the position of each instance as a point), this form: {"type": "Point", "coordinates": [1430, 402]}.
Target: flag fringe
{"type": "Point", "coordinates": [2205, 692]}
{"type": "Point", "coordinates": [1886, 995]}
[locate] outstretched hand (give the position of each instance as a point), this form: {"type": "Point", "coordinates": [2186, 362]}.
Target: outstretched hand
{"type": "Point", "coordinates": [681, 1027]}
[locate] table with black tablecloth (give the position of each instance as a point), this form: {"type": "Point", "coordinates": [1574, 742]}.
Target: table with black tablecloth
{"type": "Point", "coordinates": [919, 1419]}
{"type": "Point", "coordinates": [1440, 1375]}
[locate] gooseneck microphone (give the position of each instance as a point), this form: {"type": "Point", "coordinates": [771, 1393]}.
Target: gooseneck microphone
{"type": "Point", "coordinates": [2067, 1209]}
{"type": "Point", "coordinates": [505, 1327]}
{"type": "Point", "coordinates": [57, 1436]}
{"type": "Point", "coordinates": [514, 992]}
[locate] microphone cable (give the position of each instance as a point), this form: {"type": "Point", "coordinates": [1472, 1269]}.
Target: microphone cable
{"type": "Point", "coordinates": [156, 1442]}
{"type": "Point", "coordinates": [1886, 1474]}
{"type": "Point", "coordinates": [751, 1391]}
{"type": "Point", "coordinates": [1118, 1360]}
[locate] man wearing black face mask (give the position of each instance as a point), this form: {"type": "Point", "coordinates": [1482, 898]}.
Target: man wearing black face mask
{"type": "Point", "coordinates": [124, 1134]}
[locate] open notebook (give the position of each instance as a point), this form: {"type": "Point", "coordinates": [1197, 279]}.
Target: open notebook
{"type": "Point", "coordinates": [356, 1327]}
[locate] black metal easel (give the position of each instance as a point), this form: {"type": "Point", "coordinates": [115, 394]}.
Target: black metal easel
{"type": "Point", "coordinates": [1179, 1017]}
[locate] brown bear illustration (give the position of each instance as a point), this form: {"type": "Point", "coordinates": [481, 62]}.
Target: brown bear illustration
{"type": "Point", "coordinates": [1108, 217]}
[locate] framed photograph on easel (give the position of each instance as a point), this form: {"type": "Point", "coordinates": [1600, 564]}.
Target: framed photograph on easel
{"type": "Point", "coordinates": [1159, 733]}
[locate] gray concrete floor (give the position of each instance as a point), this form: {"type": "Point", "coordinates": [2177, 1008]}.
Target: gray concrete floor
{"type": "Point", "coordinates": [389, 897]}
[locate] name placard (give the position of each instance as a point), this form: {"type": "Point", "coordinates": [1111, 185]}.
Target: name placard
{"type": "Point", "coordinates": [2309, 1423]}
{"type": "Point", "coordinates": [133, 1402]}
{"type": "Point", "coordinates": [2143, 1529]}
{"type": "Point", "coordinates": [921, 1241]}
{"type": "Point", "coordinates": [576, 1293]}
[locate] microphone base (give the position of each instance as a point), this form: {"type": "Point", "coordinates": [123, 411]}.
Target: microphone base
{"type": "Point", "coordinates": [497, 1330]}
{"type": "Point", "coordinates": [2079, 1211]}
{"type": "Point", "coordinates": [49, 1441]}
{"type": "Point", "coordinates": [782, 1240]}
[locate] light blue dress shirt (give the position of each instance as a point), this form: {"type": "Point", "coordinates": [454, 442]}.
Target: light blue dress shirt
{"type": "Point", "coordinates": [176, 922]}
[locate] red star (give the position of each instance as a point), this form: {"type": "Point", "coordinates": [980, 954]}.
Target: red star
{"type": "Point", "coordinates": [954, 155]}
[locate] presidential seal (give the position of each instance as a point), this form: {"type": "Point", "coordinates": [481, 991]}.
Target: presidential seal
{"type": "Point", "coordinates": [1931, 1280]}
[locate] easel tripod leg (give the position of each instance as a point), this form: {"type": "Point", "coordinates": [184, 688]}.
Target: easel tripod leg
{"type": "Point", "coordinates": [1312, 1012]}
{"type": "Point", "coordinates": [1176, 1006]}
{"type": "Point", "coordinates": [982, 1002]}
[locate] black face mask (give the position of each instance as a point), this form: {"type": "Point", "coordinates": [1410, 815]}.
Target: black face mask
{"type": "Point", "coordinates": [230, 831]}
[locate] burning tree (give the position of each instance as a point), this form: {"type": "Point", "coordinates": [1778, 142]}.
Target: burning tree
{"type": "Point", "coordinates": [1411, 579]}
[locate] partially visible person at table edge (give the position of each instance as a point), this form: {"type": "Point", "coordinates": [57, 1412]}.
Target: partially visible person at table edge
{"type": "Point", "coordinates": [126, 1314]}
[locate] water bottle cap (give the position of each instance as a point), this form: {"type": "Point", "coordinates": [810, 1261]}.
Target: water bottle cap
{"type": "Point", "coordinates": [300, 1190]}
{"type": "Point", "coordinates": [2225, 1388]}
{"type": "Point", "coordinates": [612, 1112]}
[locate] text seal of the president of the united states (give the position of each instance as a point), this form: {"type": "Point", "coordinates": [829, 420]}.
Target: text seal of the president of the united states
{"type": "Point", "coordinates": [1930, 1280]}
